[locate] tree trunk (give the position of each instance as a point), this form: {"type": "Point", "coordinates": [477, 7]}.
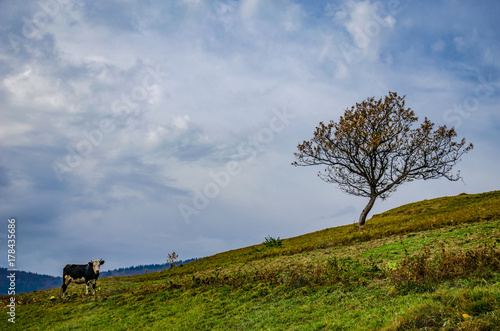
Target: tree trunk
{"type": "Point", "coordinates": [362, 217]}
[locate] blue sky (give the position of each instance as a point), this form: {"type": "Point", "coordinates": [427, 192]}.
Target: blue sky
{"type": "Point", "coordinates": [133, 129]}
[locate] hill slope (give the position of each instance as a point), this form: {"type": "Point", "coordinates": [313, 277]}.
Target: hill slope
{"type": "Point", "coordinates": [29, 281]}
{"type": "Point", "coordinates": [432, 264]}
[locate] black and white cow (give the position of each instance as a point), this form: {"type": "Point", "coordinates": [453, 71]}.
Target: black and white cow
{"type": "Point", "coordinates": [81, 273]}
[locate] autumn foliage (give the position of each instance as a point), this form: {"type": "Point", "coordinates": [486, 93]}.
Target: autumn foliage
{"type": "Point", "coordinates": [374, 148]}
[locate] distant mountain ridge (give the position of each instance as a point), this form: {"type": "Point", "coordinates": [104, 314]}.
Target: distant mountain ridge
{"type": "Point", "coordinates": [142, 269]}
{"type": "Point", "coordinates": [28, 281]}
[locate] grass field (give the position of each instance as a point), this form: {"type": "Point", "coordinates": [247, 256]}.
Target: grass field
{"type": "Point", "coordinates": [432, 265]}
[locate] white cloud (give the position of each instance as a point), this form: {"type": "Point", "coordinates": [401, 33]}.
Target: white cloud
{"type": "Point", "coordinates": [248, 8]}
{"type": "Point", "coordinates": [181, 121]}
{"type": "Point", "coordinates": [33, 87]}
{"type": "Point", "coordinates": [438, 46]}
{"type": "Point", "coordinates": [460, 43]}
{"type": "Point", "coordinates": [366, 26]}
{"type": "Point", "coordinates": [229, 65]}
{"type": "Point", "coordinates": [154, 135]}
{"type": "Point", "coordinates": [292, 18]}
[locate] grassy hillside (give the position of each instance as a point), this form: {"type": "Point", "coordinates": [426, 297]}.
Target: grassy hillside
{"type": "Point", "coordinates": [433, 264]}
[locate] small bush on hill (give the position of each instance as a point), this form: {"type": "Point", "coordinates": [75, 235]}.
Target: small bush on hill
{"type": "Point", "coordinates": [271, 242]}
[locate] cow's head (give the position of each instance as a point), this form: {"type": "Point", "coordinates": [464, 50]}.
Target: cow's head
{"type": "Point", "coordinates": [96, 264]}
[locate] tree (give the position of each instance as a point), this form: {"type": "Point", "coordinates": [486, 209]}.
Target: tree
{"type": "Point", "coordinates": [171, 258]}
{"type": "Point", "coordinates": [373, 149]}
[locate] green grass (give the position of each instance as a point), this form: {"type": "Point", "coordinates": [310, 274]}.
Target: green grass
{"type": "Point", "coordinates": [420, 266]}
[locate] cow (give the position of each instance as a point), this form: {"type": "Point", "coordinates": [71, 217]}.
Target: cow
{"type": "Point", "coordinates": [81, 273]}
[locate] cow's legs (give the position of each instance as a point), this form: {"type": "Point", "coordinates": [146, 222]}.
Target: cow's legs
{"type": "Point", "coordinates": [87, 288]}
{"type": "Point", "coordinates": [64, 287]}
{"type": "Point", "coordinates": [92, 283]}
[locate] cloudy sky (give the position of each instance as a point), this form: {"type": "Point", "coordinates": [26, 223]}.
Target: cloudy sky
{"type": "Point", "coordinates": [133, 129]}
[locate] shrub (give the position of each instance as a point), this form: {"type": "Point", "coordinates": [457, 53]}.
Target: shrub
{"type": "Point", "coordinates": [171, 258]}
{"type": "Point", "coordinates": [421, 272]}
{"type": "Point", "coordinates": [271, 242]}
